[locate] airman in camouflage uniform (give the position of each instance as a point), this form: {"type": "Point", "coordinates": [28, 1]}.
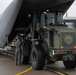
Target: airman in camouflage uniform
{"type": "Point", "coordinates": [18, 51]}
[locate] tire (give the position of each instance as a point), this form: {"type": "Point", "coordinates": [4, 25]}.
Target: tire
{"type": "Point", "coordinates": [25, 60]}
{"type": "Point", "coordinates": [69, 64]}
{"type": "Point", "coordinates": [38, 57]}
{"type": "Point", "coordinates": [46, 49]}
{"type": "Point", "coordinates": [26, 51]}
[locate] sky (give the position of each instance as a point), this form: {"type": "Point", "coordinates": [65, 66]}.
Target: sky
{"type": "Point", "coordinates": [71, 11]}
{"type": "Point", "coordinates": [4, 4]}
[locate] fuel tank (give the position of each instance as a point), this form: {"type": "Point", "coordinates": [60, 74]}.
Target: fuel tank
{"type": "Point", "coordinates": [7, 19]}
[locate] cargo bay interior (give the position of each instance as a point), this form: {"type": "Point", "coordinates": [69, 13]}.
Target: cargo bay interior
{"type": "Point", "coordinates": [25, 15]}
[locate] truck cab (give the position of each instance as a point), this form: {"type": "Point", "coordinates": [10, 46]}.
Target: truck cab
{"type": "Point", "coordinates": [60, 40]}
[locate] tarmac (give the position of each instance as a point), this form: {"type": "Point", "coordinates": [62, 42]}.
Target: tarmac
{"type": "Point", "coordinates": [8, 67]}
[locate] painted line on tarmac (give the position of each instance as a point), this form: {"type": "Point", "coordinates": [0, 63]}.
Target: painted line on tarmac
{"type": "Point", "coordinates": [29, 69]}
{"type": "Point", "coordinates": [55, 71]}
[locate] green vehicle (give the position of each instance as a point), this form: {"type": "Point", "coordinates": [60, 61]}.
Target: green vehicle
{"type": "Point", "coordinates": [51, 40]}
{"type": "Point", "coordinates": [46, 38]}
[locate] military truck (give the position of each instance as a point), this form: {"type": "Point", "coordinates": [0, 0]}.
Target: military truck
{"type": "Point", "coordinates": [51, 41]}
{"type": "Point", "coordinates": [47, 38]}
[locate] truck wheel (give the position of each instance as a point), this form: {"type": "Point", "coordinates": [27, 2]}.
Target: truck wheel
{"type": "Point", "coordinates": [69, 64]}
{"type": "Point", "coordinates": [38, 57]}
{"type": "Point", "coordinates": [26, 51]}
{"type": "Point", "coordinates": [25, 60]}
{"type": "Point", "coordinates": [46, 48]}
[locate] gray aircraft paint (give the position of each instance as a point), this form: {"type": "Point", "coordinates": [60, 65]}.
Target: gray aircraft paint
{"type": "Point", "coordinates": [7, 19]}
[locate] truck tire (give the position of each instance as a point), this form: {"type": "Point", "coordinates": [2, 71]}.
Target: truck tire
{"type": "Point", "coordinates": [38, 57]}
{"type": "Point", "coordinates": [69, 64]}
{"type": "Point", "coordinates": [25, 60]}
{"type": "Point", "coordinates": [26, 51]}
{"type": "Point", "coordinates": [46, 48]}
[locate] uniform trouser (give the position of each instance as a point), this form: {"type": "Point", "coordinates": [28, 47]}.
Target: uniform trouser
{"type": "Point", "coordinates": [18, 57]}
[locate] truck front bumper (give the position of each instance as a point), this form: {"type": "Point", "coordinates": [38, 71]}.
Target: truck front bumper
{"type": "Point", "coordinates": [65, 55]}
{"type": "Point", "coordinates": [62, 52]}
